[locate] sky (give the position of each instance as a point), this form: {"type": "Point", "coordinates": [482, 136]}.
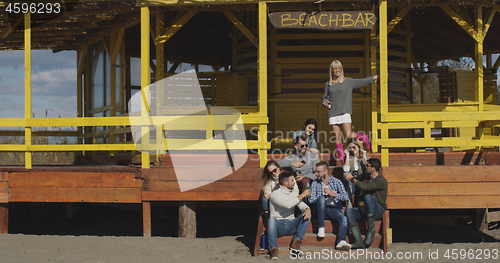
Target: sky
{"type": "Point", "coordinates": [53, 84]}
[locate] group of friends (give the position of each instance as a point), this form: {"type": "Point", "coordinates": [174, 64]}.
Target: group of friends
{"type": "Point", "coordinates": [302, 182]}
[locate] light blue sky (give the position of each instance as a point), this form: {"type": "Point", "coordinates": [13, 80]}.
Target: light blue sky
{"type": "Point", "coordinates": [53, 84]}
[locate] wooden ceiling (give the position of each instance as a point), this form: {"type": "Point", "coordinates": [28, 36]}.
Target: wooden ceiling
{"type": "Point", "coordinates": [207, 37]}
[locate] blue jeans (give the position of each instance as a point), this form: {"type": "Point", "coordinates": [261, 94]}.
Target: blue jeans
{"type": "Point", "coordinates": [265, 204]}
{"type": "Point", "coordinates": [277, 228]}
{"type": "Point", "coordinates": [373, 209]}
{"type": "Point", "coordinates": [325, 212]}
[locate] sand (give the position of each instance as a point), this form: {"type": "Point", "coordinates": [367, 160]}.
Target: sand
{"type": "Point", "coordinates": [95, 234]}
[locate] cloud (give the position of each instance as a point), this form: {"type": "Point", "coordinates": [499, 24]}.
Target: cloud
{"type": "Point", "coordinates": [61, 82]}
{"type": "Point", "coordinates": [41, 60]}
{"type": "Point", "coordinates": [11, 106]}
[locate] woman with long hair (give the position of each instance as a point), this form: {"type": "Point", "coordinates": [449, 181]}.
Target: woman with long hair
{"type": "Point", "coordinates": [355, 163]}
{"type": "Point", "coordinates": [269, 183]}
{"type": "Point", "coordinates": [338, 99]}
{"type": "Point", "coordinates": [310, 132]}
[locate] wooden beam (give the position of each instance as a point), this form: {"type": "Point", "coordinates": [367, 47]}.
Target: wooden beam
{"type": "Point", "coordinates": [174, 67]}
{"type": "Point", "coordinates": [462, 12]}
{"type": "Point", "coordinates": [395, 21]}
{"type": "Point", "coordinates": [175, 27]}
{"type": "Point", "coordinates": [17, 20]}
{"type": "Point", "coordinates": [479, 59]}
{"type": "Point", "coordinates": [4, 218]}
{"type": "Point", "coordinates": [146, 219]}
{"type": "Point", "coordinates": [497, 63]}
{"type": "Point", "coordinates": [262, 77]}
{"type": "Point", "coordinates": [460, 21]}
{"type": "Point", "coordinates": [145, 79]}
{"type": "Point", "coordinates": [187, 219]}
{"type": "Point", "coordinates": [27, 86]}
{"type": "Point", "coordinates": [242, 27]}
{"type": "Point", "coordinates": [488, 19]}
{"type": "Point", "coordinates": [116, 48]}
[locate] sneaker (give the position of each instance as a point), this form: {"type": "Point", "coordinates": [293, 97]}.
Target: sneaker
{"type": "Point", "coordinates": [321, 232]}
{"type": "Point", "coordinates": [342, 245]}
{"type": "Point", "coordinates": [274, 253]}
{"type": "Point", "coordinates": [295, 246]}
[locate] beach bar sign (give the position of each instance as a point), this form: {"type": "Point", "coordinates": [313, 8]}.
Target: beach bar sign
{"type": "Point", "coordinates": [343, 20]}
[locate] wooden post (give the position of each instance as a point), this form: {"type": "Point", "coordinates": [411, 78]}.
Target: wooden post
{"type": "Point", "coordinates": [4, 218]}
{"type": "Point", "coordinates": [27, 87]}
{"type": "Point", "coordinates": [145, 78]}
{"type": "Point", "coordinates": [384, 81]}
{"type": "Point", "coordinates": [262, 77]}
{"type": "Point", "coordinates": [146, 219]}
{"type": "Point", "coordinates": [481, 223]}
{"type": "Point", "coordinates": [187, 219]}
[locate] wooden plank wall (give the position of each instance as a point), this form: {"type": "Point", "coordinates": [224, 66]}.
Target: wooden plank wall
{"type": "Point", "coordinates": [300, 61]}
{"type": "Point", "coordinates": [443, 187]}
{"type": "Point", "coordinates": [161, 184]}
{"type": "Point", "coordinates": [71, 186]}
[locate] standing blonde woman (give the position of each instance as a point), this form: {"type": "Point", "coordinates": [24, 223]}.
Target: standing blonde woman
{"type": "Point", "coordinates": [338, 99]}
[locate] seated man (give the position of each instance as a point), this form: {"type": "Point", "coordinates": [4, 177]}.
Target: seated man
{"type": "Point", "coordinates": [374, 193]}
{"type": "Point", "coordinates": [301, 161]}
{"type": "Point", "coordinates": [327, 192]}
{"type": "Point", "coordinates": [282, 203]}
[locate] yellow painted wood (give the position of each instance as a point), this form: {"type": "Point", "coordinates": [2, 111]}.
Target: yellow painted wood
{"type": "Point", "coordinates": [440, 142]}
{"type": "Point", "coordinates": [27, 85]}
{"type": "Point", "coordinates": [39, 133]}
{"type": "Point", "coordinates": [145, 60]}
{"type": "Point", "coordinates": [262, 78]}
{"type": "Point", "coordinates": [383, 57]}
{"type": "Point", "coordinates": [441, 116]}
{"type": "Point", "coordinates": [374, 98]}
{"type": "Point", "coordinates": [241, 27]}
{"type": "Point", "coordinates": [460, 21]}
{"type": "Point", "coordinates": [175, 27]}
{"type": "Point", "coordinates": [487, 21]}
{"type": "Point", "coordinates": [479, 57]}
{"type": "Point", "coordinates": [262, 59]}
{"type": "Point", "coordinates": [431, 124]}
{"type": "Point", "coordinates": [402, 13]}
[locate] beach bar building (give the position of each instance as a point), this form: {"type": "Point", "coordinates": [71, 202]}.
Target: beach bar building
{"type": "Point", "coordinates": [261, 67]}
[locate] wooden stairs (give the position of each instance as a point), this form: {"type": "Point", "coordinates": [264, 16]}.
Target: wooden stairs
{"type": "Point", "coordinates": [312, 243]}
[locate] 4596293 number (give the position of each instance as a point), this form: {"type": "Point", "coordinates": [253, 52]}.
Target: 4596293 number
{"type": "Point", "coordinates": [33, 8]}
{"type": "Point", "coordinates": [471, 253]}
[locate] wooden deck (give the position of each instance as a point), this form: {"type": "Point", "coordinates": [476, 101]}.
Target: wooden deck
{"type": "Point", "coordinates": [457, 180]}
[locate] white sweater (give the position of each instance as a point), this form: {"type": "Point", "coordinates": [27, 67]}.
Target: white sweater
{"type": "Point", "coordinates": [282, 204]}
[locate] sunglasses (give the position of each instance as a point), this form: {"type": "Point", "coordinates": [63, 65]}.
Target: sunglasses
{"type": "Point", "coordinates": [303, 146]}
{"type": "Point", "coordinates": [336, 69]}
{"type": "Point", "coordinates": [275, 170]}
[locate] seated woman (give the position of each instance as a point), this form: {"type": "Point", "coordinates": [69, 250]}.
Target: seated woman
{"type": "Point", "coordinates": [269, 183]}
{"type": "Point", "coordinates": [354, 163]}
{"type": "Point", "coordinates": [309, 131]}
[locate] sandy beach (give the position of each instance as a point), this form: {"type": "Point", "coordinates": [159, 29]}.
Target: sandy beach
{"type": "Point", "coordinates": [224, 236]}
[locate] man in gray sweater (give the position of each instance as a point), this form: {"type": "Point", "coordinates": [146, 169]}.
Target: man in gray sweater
{"type": "Point", "coordinates": [301, 161]}
{"type": "Point", "coordinates": [282, 222]}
